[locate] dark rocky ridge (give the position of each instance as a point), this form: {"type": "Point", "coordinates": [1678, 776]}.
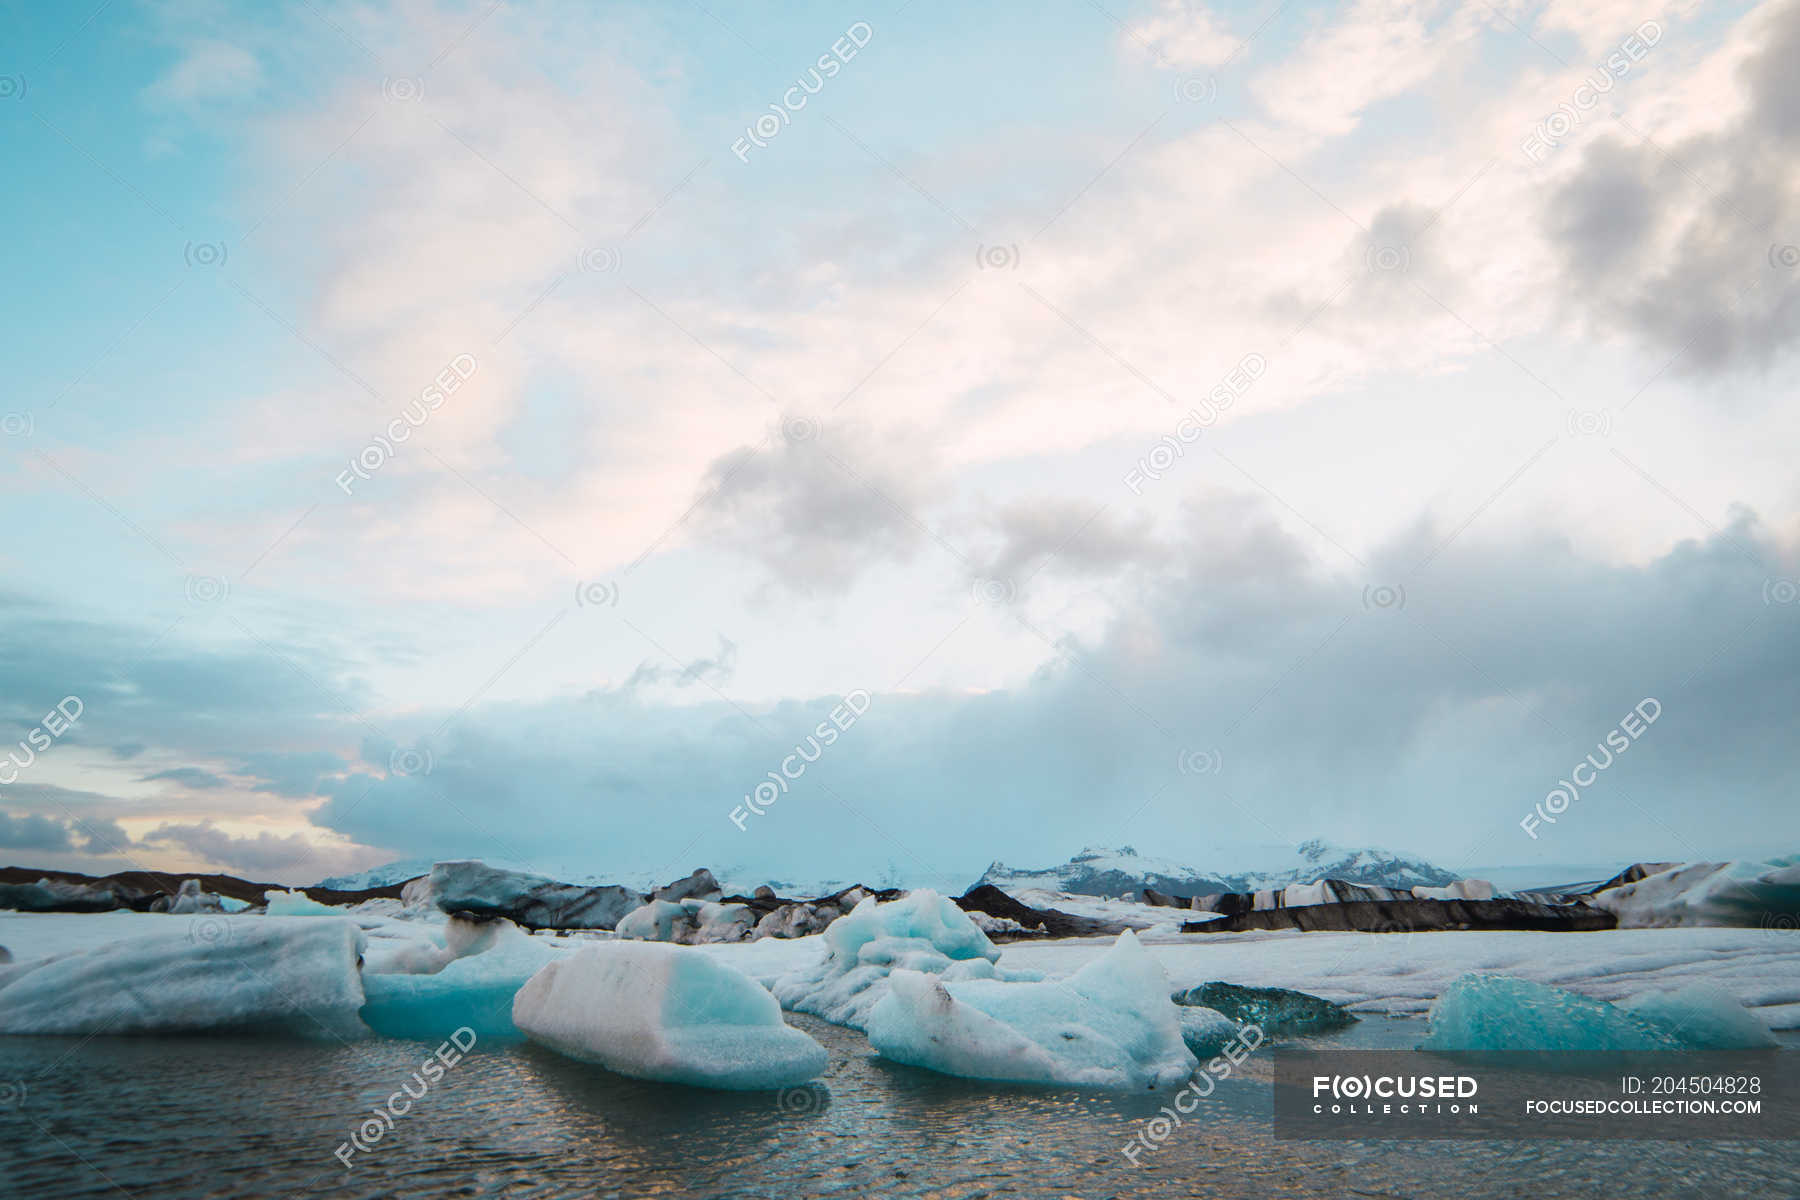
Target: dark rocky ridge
{"type": "Point", "coordinates": [1414, 916]}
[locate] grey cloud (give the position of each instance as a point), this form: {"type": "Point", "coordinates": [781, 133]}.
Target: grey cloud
{"type": "Point", "coordinates": [1725, 292]}
{"type": "Point", "coordinates": [33, 832]}
{"type": "Point", "coordinates": [266, 854]}
{"type": "Point", "coordinates": [193, 777]}
{"type": "Point", "coordinates": [1431, 723]}
{"type": "Point", "coordinates": [716, 671]}
{"type": "Point", "coordinates": [817, 506]}
{"type": "Point", "coordinates": [1066, 537]}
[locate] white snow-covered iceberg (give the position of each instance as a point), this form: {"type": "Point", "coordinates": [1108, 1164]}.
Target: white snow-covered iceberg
{"type": "Point", "coordinates": [1500, 1012]}
{"type": "Point", "coordinates": [1110, 1025]}
{"type": "Point", "coordinates": [487, 966]}
{"type": "Point", "coordinates": [248, 973]}
{"type": "Point", "coordinates": [921, 931]}
{"type": "Point", "coordinates": [665, 1013]}
{"type": "Point", "coordinates": [689, 921]}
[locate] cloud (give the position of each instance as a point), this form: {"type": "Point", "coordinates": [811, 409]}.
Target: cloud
{"type": "Point", "coordinates": [714, 672]}
{"type": "Point", "coordinates": [265, 854]}
{"type": "Point", "coordinates": [816, 506]}
{"type": "Point", "coordinates": [1689, 246]}
{"type": "Point", "coordinates": [192, 777]}
{"type": "Point", "coordinates": [1066, 537]}
{"type": "Point", "coordinates": [1182, 34]}
{"type": "Point", "coordinates": [1427, 705]}
{"type": "Point", "coordinates": [208, 70]}
{"type": "Point", "coordinates": [33, 832]}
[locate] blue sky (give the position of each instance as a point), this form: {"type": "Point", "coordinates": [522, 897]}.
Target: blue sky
{"type": "Point", "coordinates": [871, 408]}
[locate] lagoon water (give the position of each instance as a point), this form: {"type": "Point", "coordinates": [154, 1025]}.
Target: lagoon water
{"type": "Point", "coordinates": [231, 1117]}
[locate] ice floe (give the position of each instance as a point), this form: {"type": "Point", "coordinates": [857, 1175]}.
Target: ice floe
{"type": "Point", "coordinates": [1110, 1025]}
{"type": "Point", "coordinates": [666, 1013]}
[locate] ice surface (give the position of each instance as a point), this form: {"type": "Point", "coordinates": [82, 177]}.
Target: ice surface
{"type": "Point", "coordinates": [656, 921]}
{"type": "Point", "coordinates": [1499, 1012]}
{"type": "Point", "coordinates": [922, 931]}
{"type": "Point", "coordinates": [1278, 1012]}
{"type": "Point", "coordinates": [1462, 889]}
{"type": "Point", "coordinates": [665, 1013]}
{"type": "Point", "coordinates": [293, 977]}
{"type": "Point", "coordinates": [1111, 1024]}
{"type": "Point", "coordinates": [1703, 1017]}
{"type": "Point", "coordinates": [298, 904]}
{"type": "Point", "coordinates": [475, 988]}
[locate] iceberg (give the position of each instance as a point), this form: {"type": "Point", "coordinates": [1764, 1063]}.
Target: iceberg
{"type": "Point", "coordinates": [534, 901]}
{"type": "Point", "coordinates": [921, 932]}
{"type": "Point", "coordinates": [1278, 1012]}
{"type": "Point", "coordinates": [1109, 1025]}
{"type": "Point", "coordinates": [1206, 1031]}
{"type": "Point", "coordinates": [665, 1013]}
{"type": "Point", "coordinates": [475, 989]}
{"type": "Point", "coordinates": [1703, 1017]}
{"type": "Point", "coordinates": [298, 904]}
{"type": "Point", "coordinates": [1501, 1012]}
{"type": "Point", "coordinates": [1745, 894]}
{"type": "Point", "coordinates": [291, 977]}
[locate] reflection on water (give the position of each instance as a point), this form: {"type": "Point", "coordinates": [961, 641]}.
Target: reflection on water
{"type": "Point", "coordinates": [232, 1117]}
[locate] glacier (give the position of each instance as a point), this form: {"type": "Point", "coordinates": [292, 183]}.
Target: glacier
{"type": "Point", "coordinates": [667, 1013]}
{"type": "Point", "coordinates": [1110, 1025]}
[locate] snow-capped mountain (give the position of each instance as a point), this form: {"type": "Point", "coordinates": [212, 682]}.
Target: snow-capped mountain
{"type": "Point", "coordinates": [1098, 871]}
{"type": "Point", "coordinates": [398, 871]}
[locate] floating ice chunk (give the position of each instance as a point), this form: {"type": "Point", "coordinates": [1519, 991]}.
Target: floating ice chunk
{"type": "Point", "coordinates": [1703, 1017]}
{"type": "Point", "coordinates": [294, 977]}
{"type": "Point", "coordinates": [232, 904]}
{"type": "Point", "coordinates": [1278, 1012]}
{"type": "Point", "coordinates": [1206, 1031]}
{"type": "Point", "coordinates": [1111, 1024]}
{"type": "Point", "coordinates": [298, 904]}
{"type": "Point", "coordinates": [665, 1013]}
{"type": "Point", "coordinates": [474, 989]}
{"type": "Point", "coordinates": [922, 931]}
{"type": "Point", "coordinates": [724, 923]}
{"type": "Point", "coordinates": [1500, 1012]}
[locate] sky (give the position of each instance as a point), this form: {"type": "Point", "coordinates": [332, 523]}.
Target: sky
{"type": "Point", "coordinates": [835, 441]}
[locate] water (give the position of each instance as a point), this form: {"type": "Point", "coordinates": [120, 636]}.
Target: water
{"type": "Point", "coordinates": [192, 1118]}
